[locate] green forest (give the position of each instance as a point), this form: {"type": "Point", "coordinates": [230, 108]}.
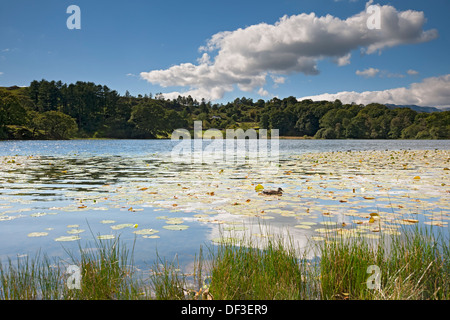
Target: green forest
{"type": "Point", "coordinates": [56, 110]}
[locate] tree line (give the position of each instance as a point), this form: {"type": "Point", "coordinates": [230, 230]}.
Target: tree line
{"type": "Point", "coordinates": [56, 110]}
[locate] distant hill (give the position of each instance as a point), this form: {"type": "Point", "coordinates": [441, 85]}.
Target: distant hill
{"type": "Point", "coordinates": [415, 108]}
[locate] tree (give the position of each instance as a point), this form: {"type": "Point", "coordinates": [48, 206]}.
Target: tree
{"type": "Point", "coordinates": [56, 125]}
{"type": "Point", "coordinates": [150, 118]}
{"type": "Point", "coordinates": [11, 111]}
{"type": "Point", "coordinates": [357, 128]}
{"type": "Point", "coordinates": [283, 121]}
{"type": "Point", "coordinates": [174, 120]}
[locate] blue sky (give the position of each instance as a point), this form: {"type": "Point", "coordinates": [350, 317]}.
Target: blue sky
{"type": "Point", "coordinates": [154, 46]}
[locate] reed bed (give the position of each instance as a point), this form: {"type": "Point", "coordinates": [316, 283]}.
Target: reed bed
{"type": "Point", "coordinates": [415, 265]}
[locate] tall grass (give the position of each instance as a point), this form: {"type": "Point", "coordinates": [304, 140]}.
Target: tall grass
{"type": "Point", "coordinates": [415, 265]}
{"type": "Point", "coordinates": [106, 272]}
{"type": "Point", "coordinates": [241, 270]}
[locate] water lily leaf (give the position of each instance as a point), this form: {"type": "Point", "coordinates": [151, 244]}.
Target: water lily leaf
{"type": "Point", "coordinates": [38, 214]}
{"type": "Point", "coordinates": [75, 231]}
{"type": "Point", "coordinates": [107, 221]}
{"type": "Point", "coordinates": [174, 221]}
{"type": "Point", "coordinates": [308, 223]}
{"type": "Point", "coordinates": [176, 227]}
{"type": "Point", "coordinates": [259, 187]}
{"type": "Point", "coordinates": [435, 223]}
{"type": "Point", "coordinates": [302, 226]}
{"type": "Point", "coordinates": [123, 225]}
{"type": "Point", "coordinates": [146, 231]}
{"type": "Point", "coordinates": [329, 223]}
{"type": "Point", "coordinates": [37, 234]}
{"type": "Point", "coordinates": [105, 237]}
{"type": "Point", "coordinates": [412, 221]}
{"type": "Point", "coordinates": [68, 238]}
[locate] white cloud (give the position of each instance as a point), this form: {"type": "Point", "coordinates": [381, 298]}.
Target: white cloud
{"type": "Point", "coordinates": [412, 72]}
{"type": "Point", "coordinates": [368, 73]}
{"type": "Point", "coordinates": [344, 60]}
{"type": "Point", "coordinates": [246, 56]}
{"type": "Point", "coordinates": [278, 80]}
{"type": "Point", "coordinates": [263, 92]}
{"type": "Point", "coordinates": [434, 91]}
{"type": "Point", "coordinates": [1, 73]}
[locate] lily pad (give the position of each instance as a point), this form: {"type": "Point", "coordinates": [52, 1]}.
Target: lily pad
{"type": "Point", "coordinates": [146, 231]}
{"type": "Point", "coordinates": [176, 227]}
{"type": "Point", "coordinates": [38, 214]}
{"type": "Point", "coordinates": [107, 221]}
{"type": "Point", "coordinates": [68, 238]}
{"type": "Point", "coordinates": [75, 231]}
{"type": "Point", "coordinates": [174, 221]}
{"type": "Point", "coordinates": [121, 226]}
{"type": "Point", "coordinates": [37, 234]}
{"type": "Point", "coordinates": [302, 226]}
{"type": "Point", "coordinates": [105, 237]}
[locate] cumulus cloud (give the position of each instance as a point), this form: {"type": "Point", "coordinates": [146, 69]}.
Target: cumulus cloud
{"type": "Point", "coordinates": [247, 56]}
{"type": "Point", "coordinates": [433, 91]}
{"type": "Point", "coordinates": [368, 73]}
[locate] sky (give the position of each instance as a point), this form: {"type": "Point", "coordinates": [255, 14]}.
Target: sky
{"type": "Point", "coordinates": [221, 50]}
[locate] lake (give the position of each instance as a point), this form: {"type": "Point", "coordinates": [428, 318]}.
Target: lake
{"type": "Point", "coordinates": [54, 194]}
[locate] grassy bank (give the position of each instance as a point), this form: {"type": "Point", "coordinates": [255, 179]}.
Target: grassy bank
{"type": "Point", "coordinates": [412, 266]}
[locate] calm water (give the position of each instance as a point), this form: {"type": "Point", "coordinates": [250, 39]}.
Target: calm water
{"type": "Point", "coordinates": [88, 188]}
{"type": "Point", "coordinates": [130, 148]}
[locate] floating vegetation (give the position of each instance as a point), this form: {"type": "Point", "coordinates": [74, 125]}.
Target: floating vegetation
{"type": "Point", "coordinates": [38, 214]}
{"type": "Point", "coordinates": [75, 231]}
{"type": "Point", "coordinates": [107, 221]}
{"type": "Point", "coordinates": [68, 238]}
{"type": "Point", "coordinates": [146, 231]}
{"type": "Point", "coordinates": [122, 225]}
{"type": "Point", "coordinates": [105, 237]}
{"type": "Point", "coordinates": [37, 234]}
{"type": "Point", "coordinates": [177, 227]}
{"type": "Point", "coordinates": [354, 193]}
{"type": "Point", "coordinates": [174, 221]}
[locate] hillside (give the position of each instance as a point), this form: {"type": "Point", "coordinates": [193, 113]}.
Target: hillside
{"type": "Point", "coordinates": [56, 110]}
